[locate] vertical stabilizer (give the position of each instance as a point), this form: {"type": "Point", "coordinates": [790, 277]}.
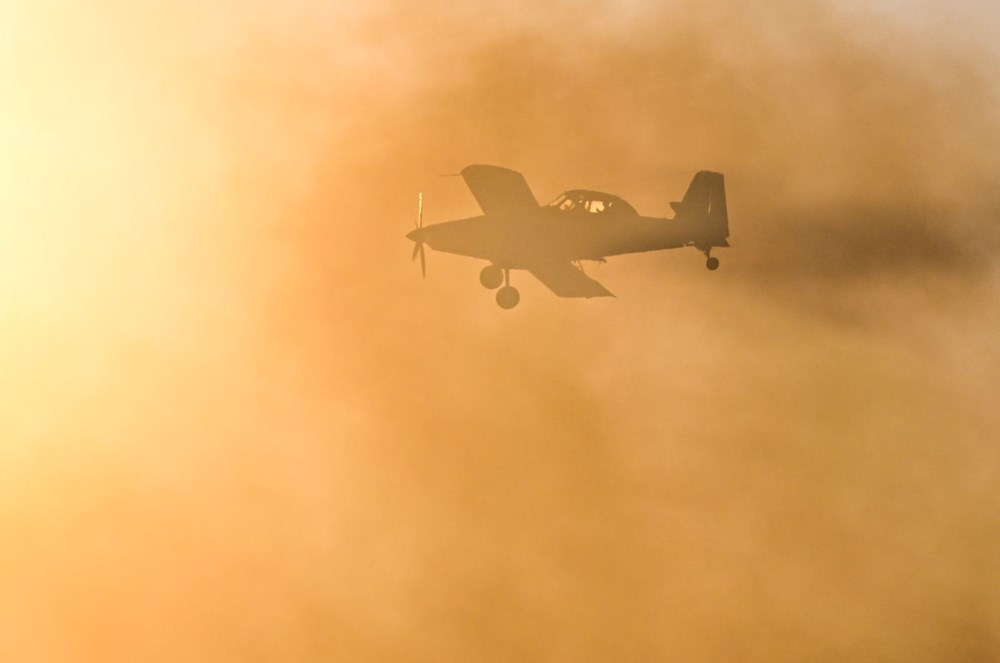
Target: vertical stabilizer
{"type": "Point", "coordinates": [705, 202]}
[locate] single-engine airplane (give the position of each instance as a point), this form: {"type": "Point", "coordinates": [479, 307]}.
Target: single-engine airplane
{"type": "Point", "coordinates": [515, 232]}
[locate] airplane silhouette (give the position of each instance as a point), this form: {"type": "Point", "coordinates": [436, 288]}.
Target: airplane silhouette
{"type": "Point", "coordinates": [515, 232]}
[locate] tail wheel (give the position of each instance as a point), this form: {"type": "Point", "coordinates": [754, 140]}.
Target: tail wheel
{"type": "Point", "coordinates": [712, 263]}
{"type": "Point", "coordinates": [508, 297]}
{"type": "Point", "coordinates": [491, 277]}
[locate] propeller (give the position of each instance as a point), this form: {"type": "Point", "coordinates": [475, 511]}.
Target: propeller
{"type": "Point", "coordinates": [418, 246]}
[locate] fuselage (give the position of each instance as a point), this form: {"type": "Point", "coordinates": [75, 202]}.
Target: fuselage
{"type": "Point", "coordinates": [551, 235]}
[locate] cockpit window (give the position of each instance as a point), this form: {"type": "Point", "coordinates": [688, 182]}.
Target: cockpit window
{"type": "Point", "coordinates": [591, 202]}
{"type": "Point", "coordinates": [563, 203]}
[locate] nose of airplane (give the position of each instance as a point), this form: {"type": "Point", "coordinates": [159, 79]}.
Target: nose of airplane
{"type": "Point", "coordinates": [417, 235]}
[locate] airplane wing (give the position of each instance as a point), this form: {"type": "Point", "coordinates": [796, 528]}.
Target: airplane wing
{"type": "Point", "coordinates": [499, 190]}
{"type": "Point", "coordinates": [568, 280]}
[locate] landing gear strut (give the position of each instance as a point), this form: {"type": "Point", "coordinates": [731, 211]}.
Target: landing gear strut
{"type": "Point", "coordinates": [507, 296]}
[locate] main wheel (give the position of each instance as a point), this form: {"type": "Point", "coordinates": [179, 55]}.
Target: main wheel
{"type": "Point", "coordinates": [508, 297]}
{"type": "Point", "coordinates": [712, 263]}
{"type": "Point", "coordinates": [491, 277]}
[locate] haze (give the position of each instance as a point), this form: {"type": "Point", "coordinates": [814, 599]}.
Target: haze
{"type": "Point", "coordinates": [236, 425]}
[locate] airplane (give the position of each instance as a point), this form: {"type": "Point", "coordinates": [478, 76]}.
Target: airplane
{"type": "Point", "coordinates": [515, 232]}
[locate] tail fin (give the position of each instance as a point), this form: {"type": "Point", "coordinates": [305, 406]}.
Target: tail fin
{"type": "Point", "coordinates": [705, 202]}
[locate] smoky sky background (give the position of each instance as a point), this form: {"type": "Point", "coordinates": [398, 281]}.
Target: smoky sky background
{"type": "Point", "coordinates": [236, 425]}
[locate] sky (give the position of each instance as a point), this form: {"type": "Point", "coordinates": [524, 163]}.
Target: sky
{"type": "Point", "coordinates": [235, 423]}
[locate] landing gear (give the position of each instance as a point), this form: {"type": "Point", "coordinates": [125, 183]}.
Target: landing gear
{"type": "Point", "coordinates": [507, 296]}
{"type": "Point", "coordinates": [491, 277]}
{"type": "Point", "coordinates": [710, 262]}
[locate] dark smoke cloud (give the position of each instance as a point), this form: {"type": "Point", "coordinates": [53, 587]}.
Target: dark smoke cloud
{"type": "Point", "coordinates": [275, 442]}
{"type": "Point", "coordinates": [853, 148]}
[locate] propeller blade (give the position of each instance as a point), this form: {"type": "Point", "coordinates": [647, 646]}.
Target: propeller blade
{"type": "Point", "coordinates": [418, 242]}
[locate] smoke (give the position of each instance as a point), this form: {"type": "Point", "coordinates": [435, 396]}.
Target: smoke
{"type": "Point", "coordinates": [237, 424]}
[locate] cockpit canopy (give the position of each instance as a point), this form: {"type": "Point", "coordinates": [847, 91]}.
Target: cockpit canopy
{"type": "Point", "coordinates": [592, 202]}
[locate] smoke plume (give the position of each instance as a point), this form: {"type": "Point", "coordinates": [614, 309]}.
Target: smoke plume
{"type": "Point", "coordinates": [236, 425]}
